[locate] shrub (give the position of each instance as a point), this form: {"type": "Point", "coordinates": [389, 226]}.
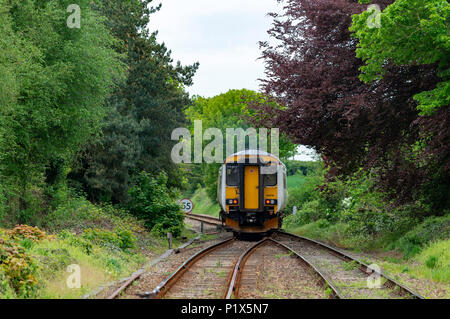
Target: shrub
{"type": "Point", "coordinates": [436, 257]}
{"type": "Point", "coordinates": [118, 239]}
{"type": "Point", "coordinates": [77, 241]}
{"type": "Point", "coordinates": [33, 234]}
{"type": "Point", "coordinates": [18, 269]}
{"type": "Point", "coordinates": [152, 201]}
{"type": "Point", "coordinates": [430, 230]}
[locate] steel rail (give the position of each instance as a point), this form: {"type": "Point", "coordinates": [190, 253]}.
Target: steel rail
{"type": "Point", "coordinates": [167, 283]}
{"type": "Point", "coordinates": [390, 282]}
{"type": "Point", "coordinates": [235, 278]}
{"type": "Point", "coordinates": [234, 285]}
{"type": "Point", "coordinates": [206, 219]}
{"type": "Point", "coordinates": [125, 285]}
{"type": "Point", "coordinates": [135, 276]}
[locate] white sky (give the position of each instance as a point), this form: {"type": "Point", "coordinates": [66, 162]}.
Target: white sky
{"type": "Point", "coordinates": [222, 35]}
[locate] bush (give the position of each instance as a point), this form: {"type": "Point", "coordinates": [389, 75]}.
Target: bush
{"type": "Point", "coordinates": [118, 239]}
{"type": "Point", "coordinates": [315, 200]}
{"type": "Point", "coordinates": [33, 234]}
{"type": "Point", "coordinates": [152, 201]}
{"type": "Point", "coordinates": [78, 214]}
{"type": "Point", "coordinates": [430, 230]}
{"type": "Point", "coordinates": [17, 269]}
{"type": "Point", "coordinates": [436, 257]}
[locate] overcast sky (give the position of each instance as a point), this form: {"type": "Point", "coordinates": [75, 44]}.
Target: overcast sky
{"type": "Point", "coordinates": [222, 35]}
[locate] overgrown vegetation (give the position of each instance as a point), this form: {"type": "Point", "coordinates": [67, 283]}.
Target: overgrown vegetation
{"type": "Point", "coordinates": [32, 263]}
{"type": "Point", "coordinates": [203, 204]}
{"type": "Point", "coordinates": [394, 124]}
{"type": "Point", "coordinates": [153, 202]}
{"type": "Point", "coordinates": [228, 110]}
{"type": "Point", "coordinates": [84, 143]}
{"type": "Point", "coordinates": [369, 91]}
{"type": "Point", "coordinates": [351, 213]}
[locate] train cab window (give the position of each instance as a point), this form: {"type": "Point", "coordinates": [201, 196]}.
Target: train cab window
{"type": "Point", "coordinates": [232, 177]}
{"type": "Point", "coordinates": [270, 179]}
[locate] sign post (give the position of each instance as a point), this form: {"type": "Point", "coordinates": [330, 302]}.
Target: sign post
{"type": "Point", "coordinates": [294, 212]}
{"type": "Point", "coordinates": [169, 238]}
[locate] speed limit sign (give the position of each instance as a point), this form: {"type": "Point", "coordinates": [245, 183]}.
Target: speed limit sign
{"type": "Point", "coordinates": [186, 205]}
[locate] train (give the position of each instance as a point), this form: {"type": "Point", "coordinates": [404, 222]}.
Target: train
{"type": "Point", "coordinates": [252, 192]}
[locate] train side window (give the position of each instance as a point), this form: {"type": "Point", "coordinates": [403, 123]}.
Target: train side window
{"type": "Point", "coordinates": [284, 181]}
{"type": "Point", "coordinates": [219, 185]}
{"type": "Point", "coordinates": [232, 175]}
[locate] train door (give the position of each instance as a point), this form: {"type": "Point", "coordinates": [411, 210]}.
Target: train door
{"type": "Point", "coordinates": [251, 191]}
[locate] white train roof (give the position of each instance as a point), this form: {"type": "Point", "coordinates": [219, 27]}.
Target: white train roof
{"type": "Point", "coordinates": [255, 152]}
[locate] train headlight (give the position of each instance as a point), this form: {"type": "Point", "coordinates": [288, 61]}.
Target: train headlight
{"type": "Point", "coordinates": [232, 201]}
{"type": "Point", "coordinates": [271, 201]}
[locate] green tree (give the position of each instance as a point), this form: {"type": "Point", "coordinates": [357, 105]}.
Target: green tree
{"type": "Point", "coordinates": [228, 110]}
{"type": "Point", "coordinates": [411, 32]}
{"type": "Point", "coordinates": [54, 83]}
{"type": "Point", "coordinates": [152, 201]}
{"type": "Point", "coordinates": [142, 112]}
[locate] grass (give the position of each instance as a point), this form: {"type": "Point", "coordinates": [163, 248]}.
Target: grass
{"type": "Point", "coordinates": [160, 244]}
{"type": "Point", "coordinates": [420, 264]}
{"type": "Point", "coordinates": [350, 265]}
{"type": "Point", "coordinates": [295, 181]}
{"type": "Point", "coordinates": [104, 242]}
{"type": "Point", "coordinates": [203, 204]}
{"type": "Point", "coordinates": [331, 233]}
{"type": "Point", "coordinates": [433, 263]}
{"type": "Point", "coordinates": [99, 267]}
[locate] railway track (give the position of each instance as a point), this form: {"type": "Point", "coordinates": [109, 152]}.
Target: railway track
{"type": "Point", "coordinates": [203, 275]}
{"type": "Point", "coordinates": [349, 274]}
{"type": "Point", "coordinates": [329, 261]}
{"type": "Point", "coordinates": [205, 218]}
{"type": "Point", "coordinates": [226, 268]}
{"type": "Point", "coordinates": [218, 272]}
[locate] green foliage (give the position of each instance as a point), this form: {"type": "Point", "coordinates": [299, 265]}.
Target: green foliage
{"type": "Point", "coordinates": [430, 230]}
{"type": "Point", "coordinates": [228, 110]}
{"type": "Point", "coordinates": [304, 168]}
{"type": "Point", "coordinates": [431, 262]}
{"type": "Point", "coordinates": [17, 268]}
{"type": "Point", "coordinates": [33, 263]}
{"type": "Point", "coordinates": [295, 181]}
{"type": "Point", "coordinates": [152, 201]}
{"type": "Point", "coordinates": [141, 113]}
{"type": "Point", "coordinates": [436, 257]}
{"type": "Point", "coordinates": [54, 81]}
{"type": "Point", "coordinates": [411, 32]}
{"type": "Point", "coordinates": [203, 204]}
{"type": "Point", "coordinates": [313, 200]}
{"type": "Point", "coordinates": [353, 214]}
{"type": "Point", "coordinates": [117, 239]}
{"type": "Point", "coordinates": [78, 214]}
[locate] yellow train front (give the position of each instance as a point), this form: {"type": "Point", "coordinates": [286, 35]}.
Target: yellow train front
{"type": "Point", "coordinates": [252, 192]}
